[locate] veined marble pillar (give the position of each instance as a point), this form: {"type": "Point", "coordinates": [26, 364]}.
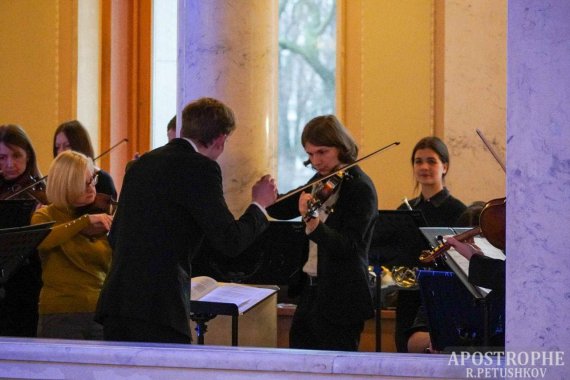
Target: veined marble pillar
{"type": "Point", "coordinates": [538, 166]}
{"type": "Point", "coordinates": [228, 50]}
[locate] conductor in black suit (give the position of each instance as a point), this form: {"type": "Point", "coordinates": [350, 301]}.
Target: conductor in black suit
{"type": "Point", "coordinates": [171, 201]}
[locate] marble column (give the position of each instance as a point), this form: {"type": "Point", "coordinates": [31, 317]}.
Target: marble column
{"type": "Point", "coordinates": [538, 181]}
{"type": "Point", "coordinates": [228, 50]}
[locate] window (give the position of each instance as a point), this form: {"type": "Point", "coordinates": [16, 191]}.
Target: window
{"type": "Point", "coordinates": [307, 62]}
{"type": "Point", "coordinates": [164, 45]}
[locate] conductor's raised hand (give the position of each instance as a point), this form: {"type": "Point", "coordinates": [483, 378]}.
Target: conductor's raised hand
{"type": "Point", "coordinates": [264, 192]}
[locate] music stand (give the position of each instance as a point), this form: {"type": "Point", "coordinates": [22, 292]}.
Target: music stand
{"type": "Point", "coordinates": [275, 257]}
{"type": "Point", "coordinates": [17, 245]}
{"type": "Point", "coordinates": [202, 312]}
{"type": "Point", "coordinates": [16, 212]}
{"type": "Point", "coordinates": [455, 317]}
{"type": "Point", "coordinates": [397, 240]}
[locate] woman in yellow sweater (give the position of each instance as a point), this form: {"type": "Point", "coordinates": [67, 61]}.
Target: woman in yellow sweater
{"type": "Point", "coordinates": [76, 255]}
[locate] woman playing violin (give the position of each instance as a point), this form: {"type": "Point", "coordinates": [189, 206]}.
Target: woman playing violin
{"type": "Point", "coordinates": [72, 135]}
{"type": "Point", "coordinates": [18, 168]}
{"type": "Point", "coordinates": [430, 163]}
{"type": "Point", "coordinates": [335, 299]}
{"type": "Point", "coordinates": [18, 165]}
{"type": "Point", "coordinates": [74, 263]}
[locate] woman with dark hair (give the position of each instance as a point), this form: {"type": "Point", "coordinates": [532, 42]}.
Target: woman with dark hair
{"type": "Point", "coordinates": [430, 163]}
{"type": "Point", "coordinates": [18, 165]}
{"type": "Point", "coordinates": [72, 135]}
{"type": "Point", "coordinates": [335, 299]}
{"type": "Point", "coordinates": [18, 169]}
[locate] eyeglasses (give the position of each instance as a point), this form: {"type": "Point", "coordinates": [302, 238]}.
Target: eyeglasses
{"type": "Point", "coordinates": [93, 181]}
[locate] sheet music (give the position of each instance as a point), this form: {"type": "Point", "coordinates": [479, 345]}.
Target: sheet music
{"type": "Point", "coordinates": [454, 257]}
{"type": "Point", "coordinates": [488, 249]}
{"type": "Point", "coordinates": [243, 296]}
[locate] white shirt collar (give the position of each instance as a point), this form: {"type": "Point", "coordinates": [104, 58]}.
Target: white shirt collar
{"type": "Point", "coordinates": [191, 143]}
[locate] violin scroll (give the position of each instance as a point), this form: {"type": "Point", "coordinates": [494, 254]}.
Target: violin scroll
{"type": "Point", "coordinates": [429, 256]}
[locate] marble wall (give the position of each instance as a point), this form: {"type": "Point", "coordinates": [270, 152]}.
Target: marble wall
{"type": "Point", "coordinates": [538, 181]}
{"type": "Point", "coordinates": [474, 96]}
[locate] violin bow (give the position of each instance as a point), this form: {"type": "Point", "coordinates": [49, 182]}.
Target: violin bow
{"type": "Point", "coordinates": [45, 177]}
{"type": "Point", "coordinates": [26, 188]}
{"type": "Point", "coordinates": [395, 143]}
{"type": "Point", "coordinates": [111, 148]}
{"type": "Point", "coordinates": [492, 150]}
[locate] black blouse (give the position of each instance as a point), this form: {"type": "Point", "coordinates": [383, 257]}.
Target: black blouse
{"type": "Point", "coordinates": [441, 210]}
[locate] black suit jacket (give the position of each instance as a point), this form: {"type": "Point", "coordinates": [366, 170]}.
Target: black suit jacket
{"type": "Point", "coordinates": [172, 199]}
{"type": "Point", "coordinates": [343, 242]}
{"type": "Point", "coordinates": [487, 272]}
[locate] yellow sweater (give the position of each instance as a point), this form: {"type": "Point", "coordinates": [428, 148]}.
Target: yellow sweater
{"type": "Point", "coordinates": [73, 266]}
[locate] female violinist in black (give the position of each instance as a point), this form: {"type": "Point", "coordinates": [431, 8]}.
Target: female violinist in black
{"type": "Point", "coordinates": [18, 169]}
{"type": "Point", "coordinates": [72, 135]}
{"type": "Point", "coordinates": [18, 165]}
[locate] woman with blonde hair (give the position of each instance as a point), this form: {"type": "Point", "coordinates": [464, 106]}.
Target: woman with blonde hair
{"type": "Point", "coordinates": [76, 255]}
{"type": "Point", "coordinates": [72, 135]}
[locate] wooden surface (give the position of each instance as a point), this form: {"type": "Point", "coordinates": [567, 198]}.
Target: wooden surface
{"type": "Point", "coordinates": [256, 328]}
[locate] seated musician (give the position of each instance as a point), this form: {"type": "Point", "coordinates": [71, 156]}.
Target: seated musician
{"type": "Point", "coordinates": [18, 164]}
{"type": "Point", "coordinates": [483, 271]}
{"type": "Point", "coordinates": [430, 162]}
{"type": "Point", "coordinates": [72, 135]}
{"type": "Point", "coordinates": [76, 255]}
{"type": "Point", "coordinates": [18, 169]}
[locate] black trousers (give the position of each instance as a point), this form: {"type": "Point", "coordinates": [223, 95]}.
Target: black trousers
{"type": "Point", "coordinates": [312, 330]}
{"type": "Point", "coordinates": [136, 330]}
{"type": "Point", "coordinates": [407, 307]}
{"type": "Point", "coordinates": [19, 300]}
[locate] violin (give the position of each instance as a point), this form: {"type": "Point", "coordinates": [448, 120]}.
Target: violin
{"type": "Point", "coordinates": [323, 191]}
{"type": "Point", "coordinates": [493, 218]}
{"type": "Point", "coordinates": [103, 204]}
{"type": "Point", "coordinates": [492, 227]}
{"type": "Point", "coordinates": [329, 183]}
{"type": "Point", "coordinates": [29, 185]}
{"type": "Point", "coordinates": [493, 222]}
{"type": "Point", "coordinates": [36, 187]}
